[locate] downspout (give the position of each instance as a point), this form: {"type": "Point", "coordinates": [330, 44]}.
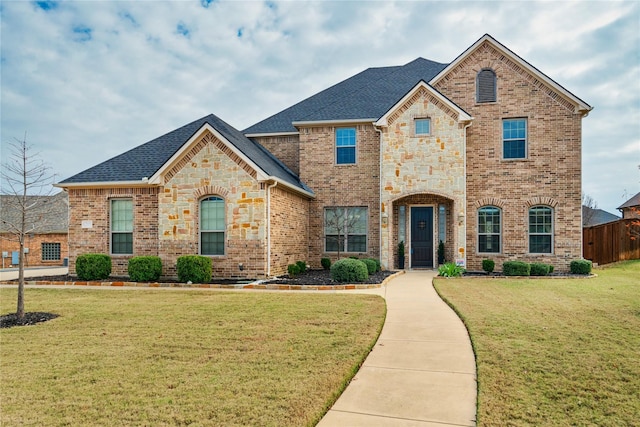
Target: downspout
{"type": "Point", "coordinates": [464, 150]}
{"type": "Point", "coordinates": [380, 195]}
{"type": "Point", "coordinates": [269, 227]}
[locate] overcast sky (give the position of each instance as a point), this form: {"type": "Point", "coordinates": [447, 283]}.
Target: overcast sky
{"type": "Point", "coordinates": [88, 80]}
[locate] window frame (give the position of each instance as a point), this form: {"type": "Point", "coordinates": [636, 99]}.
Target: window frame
{"type": "Point", "coordinates": [549, 234]}
{"type": "Point", "coordinates": [343, 245]}
{"type": "Point", "coordinates": [217, 231]}
{"type": "Point", "coordinates": [113, 232]}
{"type": "Point", "coordinates": [511, 140]}
{"type": "Point", "coordinates": [421, 120]}
{"type": "Point", "coordinates": [494, 82]}
{"type": "Point", "coordinates": [489, 234]}
{"type": "Point", "coordinates": [48, 248]}
{"type": "Point", "coordinates": [338, 147]}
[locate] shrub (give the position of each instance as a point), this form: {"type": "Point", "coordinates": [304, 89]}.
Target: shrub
{"type": "Point", "coordinates": [349, 270]}
{"type": "Point", "coordinates": [378, 264]}
{"type": "Point", "coordinates": [93, 266]}
{"type": "Point", "coordinates": [371, 265]}
{"type": "Point", "coordinates": [293, 269]}
{"type": "Point", "coordinates": [550, 268]}
{"type": "Point", "coordinates": [144, 268]}
{"type": "Point", "coordinates": [450, 269]}
{"type": "Point", "coordinates": [325, 263]}
{"type": "Point", "coordinates": [539, 269]}
{"type": "Point", "coordinates": [302, 265]}
{"type": "Point", "coordinates": [488, 265]}
{"type": "Point", "coordinates": [194, 269]}
{"type": "Point", "coordinates": [516, 268]}
{"type": "Point", "coordinates": [354, 257]}
{"type": "Point", "coordinates": [580, 266]}
{"type": "Point", "coordinates": [441, 252]}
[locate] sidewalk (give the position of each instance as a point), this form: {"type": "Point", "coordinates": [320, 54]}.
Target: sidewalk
{"type": "Point", "coordinates": [422, 370]}
{"type": "Point", "coordinates": [12, 273]}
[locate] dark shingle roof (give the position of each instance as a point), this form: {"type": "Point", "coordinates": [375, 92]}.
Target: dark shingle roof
{"type": "Point", "coordinates": [146, 159]}
{"type": "Point", "coordinates": [634, 201]}
{"type": "Point", "coordinates": [591, 216]}
{"type": "Point", "coordinates": [367, 95]}
{"type": "Point", "coordinates": [44, 214]}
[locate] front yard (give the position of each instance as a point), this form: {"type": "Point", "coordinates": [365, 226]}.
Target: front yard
{"type": "Point", "coordinates": [561, 352]}
{"type": "Point", "coordinates": [149, 357]}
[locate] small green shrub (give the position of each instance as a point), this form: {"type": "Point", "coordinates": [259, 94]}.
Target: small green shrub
{"type": "Point", "coordinates": [450, 269]}
{"type": "Point", "coordinates": [194, 269]}
{"type": "Point", "coordinates": [354, 257]}
{"type": "Point", "coordinates": [378, 264]}
{"type": "Point", "coordinates": [371, 265]}
{"type": "Point", "coordinates": [550, 268]}
{"type": "Point", "coordinates": [93, 266]}
{"type": "Point", "coordinates": [293, 269]}
{"type": "Point", "coordinates": [580, 266]}
{"type": "Point", "coordinates": [516, 268]}
{"type": "Point", "coordinates": [488, 265]}
{"type": "Point", "coordinates": [349, 270]}
{"type": "Point", "coordinates": [441, 252]}
{"type": "Point", "coordinates": [302, 265]}
{"type": "Point", "coordinates": [144, 268]}
{"type": "Point", "coordinates": [325, 263]}
{"type": "Point", "coordinates": [539, 269]}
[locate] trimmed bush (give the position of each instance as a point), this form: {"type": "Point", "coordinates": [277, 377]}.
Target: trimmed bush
{"type": "Point", "coordinates": [550, 268]}
{"type": "Point", "coordinates": [194, 269]}
{"type": "Point", "coordinates": [93, 266]}
{"type": "Point", "coordinates": [325, 263]}
{"type": "Point", "coordinates": [144, 268]}
{"type": "Point", "coordinates": [349, 270]}
{"type": "Point", "coordinates": [441, 252]}
{"type": "Point", "coordinates": [293, 270]}
{"type": "Point", "coordinates": [488, 265]}
{"type": "Point", "coordinates": [580, 266]}
{"type": "Point", "coordinates": [539, 269]}
{"type": "Point", "coordinates": [450, 269]}
{"type": "Point", "coordinates": [378, 264]}
{"type": "Point", "coordinates": [516, 268]}
{"type": "Point", "coordinates": [302, 265]}
{"type": "Point", "coordinates": [354, 257]}
{"type": "Point", "coordinates": [371, 265]}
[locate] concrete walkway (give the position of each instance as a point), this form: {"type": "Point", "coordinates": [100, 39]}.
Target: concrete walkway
{"type": "Point", "coordinates": [422, 370]}
{"type": "Point", "coordinates": [12, 273]}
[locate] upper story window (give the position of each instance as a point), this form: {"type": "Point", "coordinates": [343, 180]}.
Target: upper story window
{"type": "Point", "coordinates": [346, 146]}
{"type": "Point", "coordinates": [486, 86]}
{"type": "Point", "coordinates": [514, 139]}
{"type": "Point", "coordinates": [122, 226]}
{"type": "Point", "coordinates": [422, 126]}
{"type": "Point", "coordinates": [540, 230]}
{"type": "Point", "coordinates": [489, 229]}
{"type": "Point", "coordinates": [212, 226]}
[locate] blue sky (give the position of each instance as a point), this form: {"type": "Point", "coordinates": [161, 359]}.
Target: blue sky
{"type": "Point", "coordinates": [88, 80]}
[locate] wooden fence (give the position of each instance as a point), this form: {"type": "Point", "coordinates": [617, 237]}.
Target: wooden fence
{"type": "Point", "coordinates": [611, 242]}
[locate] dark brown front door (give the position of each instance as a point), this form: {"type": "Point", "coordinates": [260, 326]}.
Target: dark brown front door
{"type": "Point", "coordinates": [422, 237]}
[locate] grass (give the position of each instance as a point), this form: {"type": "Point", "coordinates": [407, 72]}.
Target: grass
{"type": "Point", "coordinates": [182, 357]}
{"type": "Point", "coordinates": [554, 352]}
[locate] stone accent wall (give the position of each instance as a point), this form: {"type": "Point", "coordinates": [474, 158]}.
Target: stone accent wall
{"type": "Point", "coordinates": [289, 219]}
{"type": "Point", "coordinates": [550, 175]}
{"type": "Point", "coordinates": [340, 185]}
{"type": "Point", "coordinates": [92, 207]}
{"type": "Point", "coordinates": [286, 148]}
{"type": "Point", "coordinates": [34, 243]}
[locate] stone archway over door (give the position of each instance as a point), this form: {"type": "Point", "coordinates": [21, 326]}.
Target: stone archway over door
{"type": "Point", "coordinates": [422, 237]}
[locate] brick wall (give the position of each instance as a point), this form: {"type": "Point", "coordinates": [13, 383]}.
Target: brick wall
{"type": "Point", "coordinates": [34, 243]}
{"type": "Point", "coordinates": [289, 230]}
{"type": "Point", "coordinates": [286, 148]}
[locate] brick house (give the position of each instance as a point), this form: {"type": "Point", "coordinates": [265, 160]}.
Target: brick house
{"type": "Point", "coordinates": [483, 154]}
{"type": "Point", "coordinates": [631, 208]}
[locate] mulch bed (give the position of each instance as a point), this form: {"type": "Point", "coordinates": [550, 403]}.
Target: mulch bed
{"type": "Point", "coordinates": [11, 320]}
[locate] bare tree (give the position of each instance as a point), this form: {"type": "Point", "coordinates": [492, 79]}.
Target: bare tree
{"type": "Point", "coordinates": [338, 221]}
{"type": "Point", "coordinates": [589, 206]}
{"type": "Point", "coordinates": [26, 181]}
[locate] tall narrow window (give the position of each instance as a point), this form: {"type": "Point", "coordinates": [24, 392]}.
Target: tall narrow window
{"type": "Point", "coordinates": [212, 226]}
{"type": "Point", "coordinates": [345, 146]}
{"type": "Point", "coordinates": [540, 230]}
{"type": "Point", "coordinates": [486, 86]}
{"type": "Point", "coordinates": [489, 229]}
{"type": "Point", "coordinates": [345, 228]}
{"type": "Point", "coordinates": [514, 138]}
{"type": "Point", "coordinates": [122, 226]}
{"type": "Point", "coordinates": [442, 223]}
{"type": "Point", "coordinates": [402, 223]}
{"type": "Point", "coordinates": [423, 126]}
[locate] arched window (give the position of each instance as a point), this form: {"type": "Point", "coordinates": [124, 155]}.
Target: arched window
{"type": "Point", "coordinates": [212, 226]}
{"type": "Point", "coordinates": [486, 86]}
{"type": "Point", "coordinates": [540, 230]}
{"type": "Point", "coordinates": [489, 229]}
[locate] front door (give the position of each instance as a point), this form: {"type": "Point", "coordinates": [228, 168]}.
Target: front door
{"type": "Point", "coordinates": [422, 237]}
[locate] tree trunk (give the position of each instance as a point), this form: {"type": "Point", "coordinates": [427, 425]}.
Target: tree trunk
{"type": "Point", "coordinates": [20, 308]}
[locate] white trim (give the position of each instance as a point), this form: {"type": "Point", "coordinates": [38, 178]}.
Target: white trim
{"type": "Point", "coordinates": [128, 184]}
{"type": "Point", "coordinates": [336, 122]}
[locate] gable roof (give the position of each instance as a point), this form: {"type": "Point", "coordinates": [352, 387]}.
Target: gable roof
{"type": "Point", "coordinates": [366, 96]}
{"type": "Point", "coordinates": [44, 215]}
{"type": "Point", "coordinates": [634, 201]}
{"type": "Point", "coordinates": [591, 216]}
{"type": "Point", "coordinates": [146, 160]}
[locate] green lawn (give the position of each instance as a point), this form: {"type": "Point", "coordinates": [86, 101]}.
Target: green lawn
{"type": "Point", "coordinates": [560, 352]}
{"type": "Point", "coordinates": [157, 358]}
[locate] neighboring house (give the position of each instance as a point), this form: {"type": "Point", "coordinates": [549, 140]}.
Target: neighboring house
{"type": "Point", "coordinates": [46, 223]}
{"type": "Point", "coordinates": [595, 216]}
{"type": "Point", "coordinates": [631, 208]}
{"type": "Point", "coordinates": [483, 153]}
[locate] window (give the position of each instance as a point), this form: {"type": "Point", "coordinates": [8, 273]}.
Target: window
{"type": "Point", "coordinates": [51, 252]}
{"type": "Point", "coordinates": [345, 228]}
{"type": "Point", "coordinates": [514, 138]}
{"type": "Point", "coordinates": [423, 126]}
{"type": "Point", "coordinates": [122, 226]}
{"type": "Point", "coordinates": [540, 230]}
{"type": "Point", "coordinates": [489, 229]}
{"type": "Point", "coordinates": [346, 146]}
{"type": "Point", "coordinates": [486, 86]}
{"type": "Point", "coordinates": [212, 226]}
{"type": "Point", "coordinates": [442, 223]}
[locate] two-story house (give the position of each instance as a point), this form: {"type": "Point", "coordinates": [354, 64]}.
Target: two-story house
{"type": "Point", "coordinates": [483, 154]}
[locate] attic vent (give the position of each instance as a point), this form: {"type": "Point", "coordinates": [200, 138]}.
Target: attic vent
{"type": "Point", "coordinates": [486, 86]}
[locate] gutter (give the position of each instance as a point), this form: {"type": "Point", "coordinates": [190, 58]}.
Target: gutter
{"type": "Point", "coordinates": [268, 269]}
